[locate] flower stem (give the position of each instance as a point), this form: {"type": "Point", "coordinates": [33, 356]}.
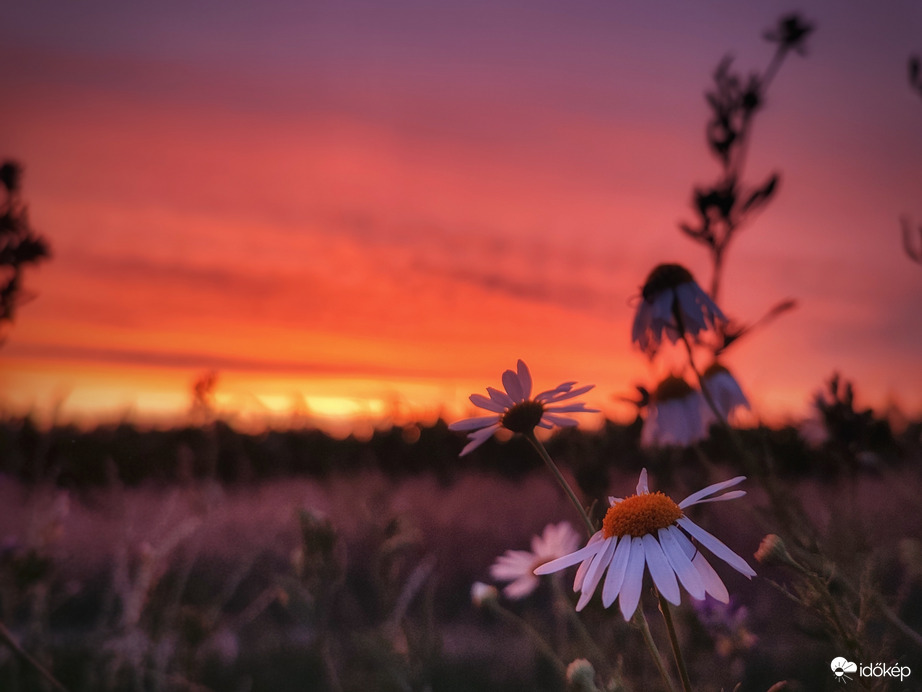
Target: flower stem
{"type": "Point", "coordinates": [7, 638]}
{"type": "Point", "coordinates": [640, 621]}
{"type": "Point", "coordinates": [704, 390]}
{"type": "Point", "coordinates": [539, 642]}
{"type": "Point", "coordinates": [542, 452]}
{"type": "Point", "coordinates": [674, 641]}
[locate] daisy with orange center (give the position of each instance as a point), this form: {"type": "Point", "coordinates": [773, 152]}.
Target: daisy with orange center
{"type": "Point", "coordinates": [651, 530]}
{"type": "Point", "coordinates": [516, 409]}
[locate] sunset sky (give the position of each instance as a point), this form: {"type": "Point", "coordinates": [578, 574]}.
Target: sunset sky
{"type": "Point", "coordinates": [374, 208]}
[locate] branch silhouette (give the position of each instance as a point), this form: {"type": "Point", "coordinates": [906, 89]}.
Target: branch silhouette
{"type": "Point", "coordinates": [20, 245]}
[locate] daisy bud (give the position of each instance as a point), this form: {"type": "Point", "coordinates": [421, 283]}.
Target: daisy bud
{"type": "Point", "coordinates": [772, 551]}
{"type": "Point", "coordinates": [581, 676]}
{"type": "Point", "coordinates": [483, 594]}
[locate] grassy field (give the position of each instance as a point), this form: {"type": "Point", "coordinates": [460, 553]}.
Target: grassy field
{"type": "Point", "coordinates": [204, 559]}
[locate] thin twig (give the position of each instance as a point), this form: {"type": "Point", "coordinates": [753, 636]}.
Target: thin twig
{"type": "Point", "coordinates": [11, 642]}
{"type": "Point", "coordinates": [542, 452]}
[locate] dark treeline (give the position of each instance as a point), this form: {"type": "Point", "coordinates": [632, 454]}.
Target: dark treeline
{"type": "Point", "coordinates": [71, 457]}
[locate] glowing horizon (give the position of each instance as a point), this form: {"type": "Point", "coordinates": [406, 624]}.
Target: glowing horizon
{"type": "Point", "coordinates": [350, 209]}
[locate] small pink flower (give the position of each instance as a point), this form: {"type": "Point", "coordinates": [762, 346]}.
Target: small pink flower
{"type": "Point", "coordinates": [518, 566]}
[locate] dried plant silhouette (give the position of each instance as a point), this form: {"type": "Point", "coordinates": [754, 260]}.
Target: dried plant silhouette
{"type": "Point", "coordinates": [20, 245]}
{"type": "Point", "coordinates": [912, 235]}
{"type": "Point", "coordinates": [728, 205]}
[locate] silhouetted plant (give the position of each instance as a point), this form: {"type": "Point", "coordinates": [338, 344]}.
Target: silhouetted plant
{"type": "Point", "coordinates": [20, 245]}
{"type": "Point", "coordinates": [913, 251]}
{"type": "Point", "coordinates": [855, 437]}
{"type": "Point", "coordinates": [725, 206]}
{"type": "Point", "coordinates": [915, 73]}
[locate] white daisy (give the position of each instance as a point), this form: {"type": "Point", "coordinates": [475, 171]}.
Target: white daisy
{"type": "Point", "coordinates": [516, 410]}
{"type": "Point", "coordinates": [649, 529]}
{"type": "Point", "coordinates": [725, 393]}
{"type": "Point", "coordinates": [672, 304]}
{"type": "Point", "coordinates": [675, 415]}
{"type": "Point", "coordinates": [518, 566]}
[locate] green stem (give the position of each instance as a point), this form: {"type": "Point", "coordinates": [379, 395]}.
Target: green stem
{"type": "Point", "coordinates": [640, 621]}
{"type": "Point", "coordinates": [532, 634]}
{"type": "Point", "coordinates": [542, 452]}
{"type": "Point", "coordinates": [674, 641]}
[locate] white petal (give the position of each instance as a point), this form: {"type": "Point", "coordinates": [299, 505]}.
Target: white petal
{"type": "Point", "coordinates": [710, 490]}
{"type": "Point", "coordinates": [512, 565]}
{"type": "Point", "coordinates": [712, 582]}
{"type": "Point", "coordinates": [711, 307]}
{"type": "Point", "coordinates": [732, 495]}
{"type": "Point", "coordinates": [559, 420]}
{"type": "Point", "coordinates": [595, 571]}
{"type": "Point", "coordinates": [563, 396]}
{"type": "Point", "coordinates": [661, 309]}
{"type": "Point", "coordinates": [633, 580]}
{"type": "Point", "coordinates": [555, 541]}
{"type": "Point", "coordinates": [474, 423]}
{"type": "Point", "coordinates": [584, 566]}
{"type": "Point", "coordinates": [693, 316]}
{"type": "Point", "coordinates": [661, 570]}
{"type": "Point", "coordinates": [562, 388]}
{"type": "Point", "coordinates": [615, 576]}
{"type": "Point", "coordinates": [500, 398]}
{"type": "Point", "coordinates": [579, 407]}
{"type": "Point", "coordinates": [642, 487]}
{"type": "Point", "coordinates": [680, 562]}
{"type": "Point", "coordinates": [513, 386]}
{"type": "Point", "coordinates": [689, 548]}
{"type": "Point", "coordinates": [524, 378]}
{"type": "Point", "coordinates": [714, 544]}
{"type": "Point", "coordinates": [641, 324]}
{"type": "Point", "coordinates": [521, 587]}
{"type": "Point", "coordinates": [489, 404]}
{"type": "Point", "coordinates": [590, 549]}
{"type": "Point", "coordinates": [478, 437]}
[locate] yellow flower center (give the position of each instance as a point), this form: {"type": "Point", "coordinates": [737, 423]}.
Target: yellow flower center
{"type": "Point", "coordinates": [524, 416]}
{"type": "Point", "coordinates": [639, 515]}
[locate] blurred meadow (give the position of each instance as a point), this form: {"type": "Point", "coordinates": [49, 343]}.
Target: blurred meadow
{"type": "Point", "coordinates": [266, 277]}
